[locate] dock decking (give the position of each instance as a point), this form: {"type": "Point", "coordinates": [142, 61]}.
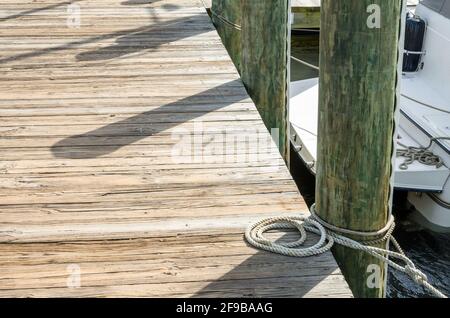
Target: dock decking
{"type": "Point", "coordinates": [115, 177]}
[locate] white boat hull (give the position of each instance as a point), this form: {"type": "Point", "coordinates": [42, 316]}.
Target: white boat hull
{"type": "Point", "coordinates": [428, 186]}
{"type": "Point", "coordinates": [424, 183]}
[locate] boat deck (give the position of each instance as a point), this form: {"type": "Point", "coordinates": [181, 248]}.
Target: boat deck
{"type": "Point", "coordinates": [132, 159]}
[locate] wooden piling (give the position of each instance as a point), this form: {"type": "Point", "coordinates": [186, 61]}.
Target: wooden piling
{"type": "Point", "coordinates": [227, 18]}
{"type": "Point", "coordinates": [259, 46]}
{"type": "Point", "coordinates": [265, 39]}
{"type": "Point", "coordinates": [358, 79]}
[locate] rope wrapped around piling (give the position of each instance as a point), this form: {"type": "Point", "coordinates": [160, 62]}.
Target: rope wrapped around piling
{"type": "Point", "coordinates": [329, 235]}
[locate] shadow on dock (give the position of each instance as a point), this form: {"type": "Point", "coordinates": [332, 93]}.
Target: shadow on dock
{"type": "Point", "coordinates": [146, 38]}
{"type": "Point", "coordinates": [36, 10]}
{"type": "Point", "coordinates": [128, 41]}
{"type": "Point", "coordinates": [137, 223]}
{"type": "Point", "coordinates": [270, 275]}
{"type": "Point", "coordinates": [140, 126]}
{"type": "Point", "coordinates": [168, 6]}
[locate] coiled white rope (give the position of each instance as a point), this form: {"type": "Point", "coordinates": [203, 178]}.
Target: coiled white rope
{"type": "Point", "coordinates": [329, 235]}
{"type": "Point", "coordinates": [420, 154]}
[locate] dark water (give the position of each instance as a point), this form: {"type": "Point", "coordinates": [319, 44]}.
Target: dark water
{"type": "Point", "coordinates": [430, 251]}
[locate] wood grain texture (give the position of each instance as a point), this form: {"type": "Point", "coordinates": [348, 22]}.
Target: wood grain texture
{"type": "Point", "coordinates": [227, 16]}
{"type": "Point", "coordinates": [264, 69]}
{"type": "Point", "coordinates": [90, 118]}
{"type": "Point", "coordinates": [259, 48]}
{"type": "Point", "coordinates": [358, 79]}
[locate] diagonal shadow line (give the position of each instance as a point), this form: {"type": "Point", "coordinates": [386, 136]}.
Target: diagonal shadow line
{"type": "Point", "coordinates": [148, 38]}
{"type": "Point", "coordinates": [138, 2]}
{"type": "Point", "coordinates": [269, 275]}
{"type": "Point", "coordinates": [146, 32]}
{"type": "Point", "coordinates": [138, 127]}
{"type": "Point", "coordinates": [24, 13]}
{"type": "Point", "coordinates": [166, 6]}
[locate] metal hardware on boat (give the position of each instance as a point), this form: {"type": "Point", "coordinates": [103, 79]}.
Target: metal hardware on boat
{"type": "Point", "coordinates": [294, 137]}
{"type": "Point", "coordinates": [423, 53]}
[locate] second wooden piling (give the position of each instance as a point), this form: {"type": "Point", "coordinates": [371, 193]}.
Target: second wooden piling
{"type": "Point", "coordinates": [257, 34]}
{"type": "Point", "coordinates": [358, 76]}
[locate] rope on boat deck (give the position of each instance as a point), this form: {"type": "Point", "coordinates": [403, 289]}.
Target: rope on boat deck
{"type": "Point", "coordinates": [305, 63]}
{"type": "Point", "coordinates": [420, 154]}
{"type": "Point", "coordinates": [330, 235]}
{"type": "Point", "coordinates": [425, 104]}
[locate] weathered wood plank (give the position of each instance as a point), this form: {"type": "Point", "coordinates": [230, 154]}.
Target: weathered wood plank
{"type": "Point", "coordinates": [89, 121]}
{"type": "Point", "coordinates": [138, 269]}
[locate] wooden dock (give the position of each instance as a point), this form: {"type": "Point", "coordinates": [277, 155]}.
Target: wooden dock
{"type": "Point", "coordinates": [97, 198]}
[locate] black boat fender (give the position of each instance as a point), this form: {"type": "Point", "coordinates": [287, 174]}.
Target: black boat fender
{"type": "Point", "coordinates": [414, 40]}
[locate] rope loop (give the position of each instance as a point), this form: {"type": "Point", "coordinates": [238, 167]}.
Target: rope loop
{"type": "Point", "coordinates": [367, 238]}
{"type": "Point", "coordinates": [255, 236]}
{"type": "Point", "coordinates": [331, 234]}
